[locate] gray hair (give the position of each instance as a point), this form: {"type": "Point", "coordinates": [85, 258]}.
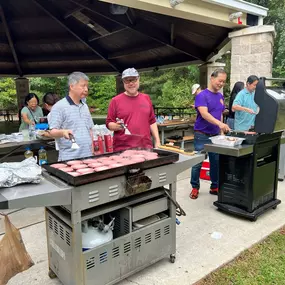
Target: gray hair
{"type": "Point", "coordinates": [217, 72]}
{"type": "Point", "coordinates": [75, 77]}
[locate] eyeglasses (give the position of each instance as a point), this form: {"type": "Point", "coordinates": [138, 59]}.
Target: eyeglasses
{"type": "Point", "coordinates": [129, 80]}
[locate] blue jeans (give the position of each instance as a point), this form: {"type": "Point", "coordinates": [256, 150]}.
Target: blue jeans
{"type": "Point", "coordinates": [230, 123]}
{"type": "Point", "coordinates": [199, 141]}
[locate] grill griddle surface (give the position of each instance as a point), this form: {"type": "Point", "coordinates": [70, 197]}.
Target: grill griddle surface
{"type": "Point", "coordinates": [164, 157]}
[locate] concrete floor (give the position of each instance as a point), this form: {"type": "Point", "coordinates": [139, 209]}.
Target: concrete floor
{"type": "Point", "coordinates": [197, 252]}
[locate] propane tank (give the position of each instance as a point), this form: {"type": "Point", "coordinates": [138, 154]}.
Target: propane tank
{"type": "Point", "coordinates": [95, 236]}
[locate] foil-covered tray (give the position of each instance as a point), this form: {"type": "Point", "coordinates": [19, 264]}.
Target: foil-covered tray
{"type": "Point", "coordinates": [226, 140]}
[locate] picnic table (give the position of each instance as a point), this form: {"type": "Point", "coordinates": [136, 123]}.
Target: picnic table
{"type": "Point", "coordinates": [8, 115]}
{"type": "Point", "coordinates": [174, 125]}
{"type": "Point", "coordinates": [7, 149]}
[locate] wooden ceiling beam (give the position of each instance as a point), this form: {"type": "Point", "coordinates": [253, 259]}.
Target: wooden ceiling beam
{"type": "Point", "coordinates": [94, 38]}
{"type": "Point", "coordinates": [82, 57]}
{"type": "Point", "coordinates": [45, 40]}
{"type": "Point", "coordinates": [172, 33]}
{"type": "Point", "coordinates": [131, 16]}
{"type": "Point", "coordinates": [59, 57]}
{"type": "Point", "coordinates": [91, 23]}
{"type": "Point", "coordinates": [10, 40]}
{"type": "Point", "coordinates": [71, 12]}
{"type": "Point", "coordinates": [150, 31]}
{"type": "Point", "coordinates": [135, 50]}
{"type": "Point", "coordinates": [48, 9]}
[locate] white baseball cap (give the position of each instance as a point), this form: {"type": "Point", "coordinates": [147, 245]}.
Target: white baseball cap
{"type": "Point", "coordinates": [195, 87]}
{"type": "Point", "coordinates": [130, 72]}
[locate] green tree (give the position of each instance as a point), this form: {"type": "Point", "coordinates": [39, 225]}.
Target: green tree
{"type": "Point", "coordinates": [8, 98]}
{"type": "Point", "coordinates": [170, 87]}
{"type": "Point", "coordinates": [276, 17]}
{"type": "Point", "coordinates": [101, 91]}
{"type": "Point", "coordinates": [42, 85]}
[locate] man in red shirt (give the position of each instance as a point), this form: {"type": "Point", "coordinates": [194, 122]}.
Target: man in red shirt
{"type": "Point", "coordinates": [136, 111]}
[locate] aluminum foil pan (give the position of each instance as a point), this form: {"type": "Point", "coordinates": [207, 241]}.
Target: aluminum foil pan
{"type": "Point", "coordinates": [227, 140]}
{"type": "Point", "coordinates": [14, 173]}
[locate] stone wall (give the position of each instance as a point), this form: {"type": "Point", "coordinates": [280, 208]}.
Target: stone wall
{"type": "Point", "coordinates": [252, 52]}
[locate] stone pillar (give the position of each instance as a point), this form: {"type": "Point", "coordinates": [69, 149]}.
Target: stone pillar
{"type": "Point", "coordinates": [206, 70]}
{"type": "Point", "coordinates": [22, 89]}
{"type": "Point", "coordinates": [252, 52]}
{"type": "Point", "coordinates": [119, 84]}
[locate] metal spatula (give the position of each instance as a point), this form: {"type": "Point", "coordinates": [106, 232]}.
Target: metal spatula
{"type": "Point", "coordinates": [127, 132]}
{"type": "Point", "coordinates": [74, 144]}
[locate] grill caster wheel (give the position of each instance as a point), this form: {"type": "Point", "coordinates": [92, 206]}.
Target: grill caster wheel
{"type": "Point", "coordinates": [274, 208]}
{"type": "Point", "coordinates": [51, 274]}
{"type": "Point", "coordinates": [172, 258]}
{"type": "Point", "coordinates": [254, 219]}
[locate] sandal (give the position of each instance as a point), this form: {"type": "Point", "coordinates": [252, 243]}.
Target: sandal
{"type": "Point", "coordinates": [214, 191]}
{"type": "Point", "coordinates": [194, 194]}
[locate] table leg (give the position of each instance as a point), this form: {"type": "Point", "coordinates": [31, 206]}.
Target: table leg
{"type": "Point", "coordinates": [162, 136]}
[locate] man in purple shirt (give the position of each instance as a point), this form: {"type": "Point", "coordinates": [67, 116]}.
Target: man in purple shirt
{"type": "Point", "coordinates": [210, 106]}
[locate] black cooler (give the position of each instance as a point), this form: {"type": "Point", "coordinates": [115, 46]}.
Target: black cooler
{"type": "Point", "coordinates": [248, 174]}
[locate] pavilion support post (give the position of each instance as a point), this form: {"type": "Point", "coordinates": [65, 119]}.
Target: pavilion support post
{"type": "Point", "coordinates": [119, 84]}
{"type": "Point", "coordinates": [22, 89]}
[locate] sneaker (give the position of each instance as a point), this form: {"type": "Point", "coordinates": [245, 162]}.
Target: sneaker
{"type": "Point", "coordinates": [214, 191]}
{"type": "Point", "coordinates": [194, 193]}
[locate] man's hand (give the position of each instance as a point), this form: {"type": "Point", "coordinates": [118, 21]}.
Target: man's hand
{"type": "Point", "coordinates": [224, 127]}
{"type": "Point", "coordinates": [157, 144]}
{"type": "Point", "coordinates": [112, 126]}
{"type": "Point", "coordinates": [119, 124]}
{"type": "Point", "coordinates": [45, 134]}
{"type": "Point", "coordinates": [118, 127]}
{"type": "Point", "coordinates": [65, 134]}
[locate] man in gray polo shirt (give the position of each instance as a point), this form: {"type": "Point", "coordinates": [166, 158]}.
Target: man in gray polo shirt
{"type": "Point", "coordinates": [71, 116]}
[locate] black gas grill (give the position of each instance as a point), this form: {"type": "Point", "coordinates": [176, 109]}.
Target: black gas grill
{"type": "Point", "coordinates": [248, 174]}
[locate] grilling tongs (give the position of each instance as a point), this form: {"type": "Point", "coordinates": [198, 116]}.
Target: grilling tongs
{"type": "Point", "coordinates": [121, 122]}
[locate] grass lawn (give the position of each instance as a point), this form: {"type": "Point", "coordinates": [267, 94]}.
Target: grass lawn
{"type": "Point", "coordinates": [262, 264]}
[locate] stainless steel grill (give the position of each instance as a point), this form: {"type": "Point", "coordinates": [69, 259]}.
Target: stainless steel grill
{"type": "Point", "coordinates": [132, 248]}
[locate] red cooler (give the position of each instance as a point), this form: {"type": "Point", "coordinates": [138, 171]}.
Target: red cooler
{"type": "Point", "coordinates": [205, 170]}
